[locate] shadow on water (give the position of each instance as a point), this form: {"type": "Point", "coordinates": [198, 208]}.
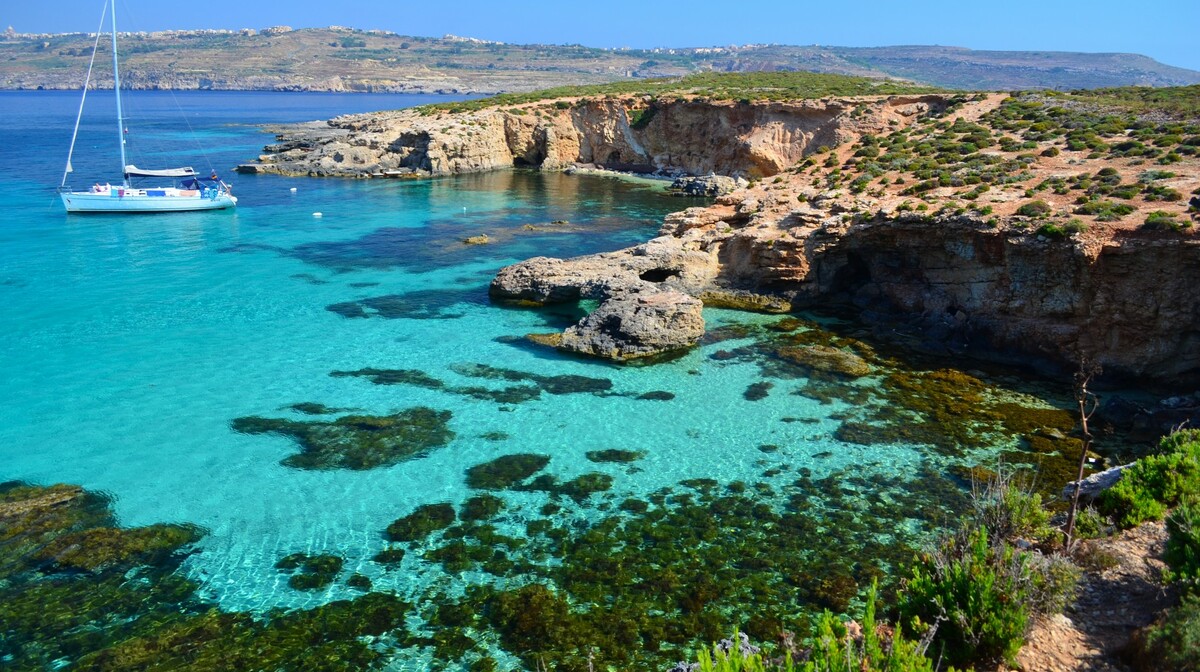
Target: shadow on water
{"type": "Point", "coordinates": [522, 214]}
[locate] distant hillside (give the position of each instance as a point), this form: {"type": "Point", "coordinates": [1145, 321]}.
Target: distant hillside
{"type": "Point", "coordinates": [343, 59]}
{"type": "Point", "coordinates": [958, 68]}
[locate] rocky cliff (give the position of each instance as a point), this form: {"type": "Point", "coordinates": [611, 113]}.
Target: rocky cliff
{"type": "Point", "coordinates": [689, 135]}
{"type": "Point", "coordinates": [1039, 228]}
{"type": "Point", "coordinates": [965, 287]}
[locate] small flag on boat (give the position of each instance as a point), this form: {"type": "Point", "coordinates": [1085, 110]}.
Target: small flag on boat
{"type": "Point", "coordinates": [69, 168]}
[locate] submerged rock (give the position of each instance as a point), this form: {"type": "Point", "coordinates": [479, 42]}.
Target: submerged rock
{"type": "Point", "coordinates": [615, 455]}
{"type": "Point", "coordinates": [76, 591]}
{"type": "Point", "coordinates": [422, 522]}
{"type": "Point", "coordinates": [827, 359]}
{"type": "Point", "coordinates": [505, 471]}
{"type": "Point", "coordinates": [357, 441]}
{"type": "Point", "coordinates": [560, 384]}
{"type": "Point", "coordinates": [311, 572]}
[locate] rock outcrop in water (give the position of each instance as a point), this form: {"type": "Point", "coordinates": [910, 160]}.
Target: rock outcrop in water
{"type": "Point", "coordinates": [1037, 229]}
{"type": "Point", "coordinates": [636, 316]}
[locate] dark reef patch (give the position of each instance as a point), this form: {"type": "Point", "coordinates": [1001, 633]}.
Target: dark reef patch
{"type": "Point", "coordinates": [310, 279]}
{"type": "Point", "coordinates": [425, 520]}
{"type": "Point", "coordinates": [509, 395]}
{"type": "Point", "coordinates": [505, 471]}
{"type": "Point", "coordinates": [615, 455]}
{"type": "Point", "coordinates": [414, 377]}
{"type": "Point", "coordinates": [359, 582]}
{"type": "Point", "coordinates": [78, 591]}
{"type": "Point", "coordinates": [562, 384]}
{"type": "Point", "coordinates": [357, 441]}
{"type": "Point", "coordinates": [758, 391]}
{"type": "Point", "coordinates": [494, 436]}
{"type": "Point", "coordinates": [482, 507]}
{"type": "Point", "coordinates": [313, 408]}
{"type": "Point", "coordinates": [310, 572]}
{"type": "Point", "coordinates": [389, 556]}
{"type": "Point", "coordinates": [579, 488]}
{"type": "Point", "coordinates": [425, 304]}
{"type": "Point", "coordinates": [656, 395]}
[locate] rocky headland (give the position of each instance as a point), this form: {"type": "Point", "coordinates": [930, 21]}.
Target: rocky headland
{"type": "Point", "coordinates": [1032, 228]}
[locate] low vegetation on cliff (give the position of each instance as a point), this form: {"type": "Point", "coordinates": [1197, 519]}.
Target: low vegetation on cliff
{"type": "Point", "coordinates": [747, 86]}
{"type": "Point", "coordinates": [972, 599]}
{"type": "Point", "coordinates": [1056, 161]}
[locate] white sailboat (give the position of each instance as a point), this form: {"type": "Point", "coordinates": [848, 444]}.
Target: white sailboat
{"type": "Point", "coordinates": [188, 191]}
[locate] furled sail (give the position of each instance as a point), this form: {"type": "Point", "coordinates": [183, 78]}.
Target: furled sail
{"type": "Point", "coordinates": [134, 171]}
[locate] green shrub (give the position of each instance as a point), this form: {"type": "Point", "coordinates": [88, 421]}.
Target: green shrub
{"type": "Point", "coordinates": [640, 118]}
{"type": "Point", "coordinates": [1156, 482]}
{"type": "Point", "coordinates": [1009, 510]}
{"type": "Point", "coordinates": [1038, 208]}
{"type": "Point", "coordinates": [980, 594]}
{"type": "Point", "coordinates": [1172, 644]}
{"type": "Point", "coordinates": [1075, 226]}
{"type": "Point", "coordinates": [1054, 582]}
{"type": "Point", "coordinates": [1157, 192]}
{"type": "Point", "coordinates": [1051, 231]}
{"type": "Point", "coordinates": [1089, 524]}
{"type": "Point", "coordinates": [1160, 220]}
{"type": "Point", "coordinates": [1183, 544]}
{"type": "Point", "coordinates": [1105, 211]}
{"type": "Point", "coordinates": [833, 650]}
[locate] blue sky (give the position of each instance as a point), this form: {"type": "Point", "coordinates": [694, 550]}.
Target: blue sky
{"type": "Point", "coordinates": [1168, 31]}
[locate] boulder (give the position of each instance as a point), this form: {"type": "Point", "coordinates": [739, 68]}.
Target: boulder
{"type": "Point", "coordinates": [1095, 484]}
{"type": "Point", "coordinates": [632, 324]}
{"type": "Point", "coordinates": [709, 185]}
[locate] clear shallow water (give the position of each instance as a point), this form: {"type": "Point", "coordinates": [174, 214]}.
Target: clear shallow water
{"type": "Point", "coordinates": [130, 343]}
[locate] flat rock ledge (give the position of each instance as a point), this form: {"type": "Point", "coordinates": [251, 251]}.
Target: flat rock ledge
{"type": "Point", "coordinates": [635, 319]}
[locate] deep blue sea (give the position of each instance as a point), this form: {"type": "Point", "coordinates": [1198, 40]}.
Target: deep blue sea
{"type": "Point", "coordinates": [130, 343]}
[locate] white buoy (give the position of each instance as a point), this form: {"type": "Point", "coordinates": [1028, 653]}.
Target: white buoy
{"type": "Point", "coordinates": [293, 190]}
{"type": "Point", "coordinates": [318, 214]}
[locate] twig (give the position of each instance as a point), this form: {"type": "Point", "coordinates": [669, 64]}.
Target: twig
{"type": "Point", "coordinates": [1088, 403]}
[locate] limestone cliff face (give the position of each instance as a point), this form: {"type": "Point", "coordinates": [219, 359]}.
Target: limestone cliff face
{"type": "Point", "coordinates": [1127, 302]}
{"type": "Point", "coordinates": [687, 135]}
{"type": "Point", "coordinates": [1117, 293]}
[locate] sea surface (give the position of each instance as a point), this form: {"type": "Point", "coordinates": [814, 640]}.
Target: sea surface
{"type": "Point", "coordinates": [130, 344]}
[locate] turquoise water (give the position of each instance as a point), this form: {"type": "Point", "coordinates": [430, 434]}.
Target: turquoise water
{"type": "Point", "coordinates": [131, 342]}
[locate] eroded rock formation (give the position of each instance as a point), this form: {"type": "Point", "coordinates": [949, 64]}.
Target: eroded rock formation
{"type": "Point", "coordinates": [919, 212]}
{"type": "Point", "coordinates": [685, 135]}
{"type": "Point", "coordinates": [1128, 301]}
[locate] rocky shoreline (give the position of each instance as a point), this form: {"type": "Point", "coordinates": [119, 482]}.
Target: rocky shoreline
{"type": "Point", "coordinates": [1003, 281]}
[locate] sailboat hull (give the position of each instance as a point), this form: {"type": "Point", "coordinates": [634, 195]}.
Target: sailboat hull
{"type": "Point", "coordinates": [146, 200]}
{"type": "Point", "coordinates": [193, 194]}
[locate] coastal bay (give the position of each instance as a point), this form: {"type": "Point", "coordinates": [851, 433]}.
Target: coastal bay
{"type": "Point", "coordinates": [231, 370]}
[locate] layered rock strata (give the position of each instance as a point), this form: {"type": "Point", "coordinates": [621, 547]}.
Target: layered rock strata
{"type": "Point", "coordinates": [686, 135]}
{"type": "Point", "coordinates": [937, 213]}
{"type": "Point", "coordinates": [1128, 302]}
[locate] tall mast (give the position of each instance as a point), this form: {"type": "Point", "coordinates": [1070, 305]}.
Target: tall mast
{"type": "Point", "coordinates": [117, 90]}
